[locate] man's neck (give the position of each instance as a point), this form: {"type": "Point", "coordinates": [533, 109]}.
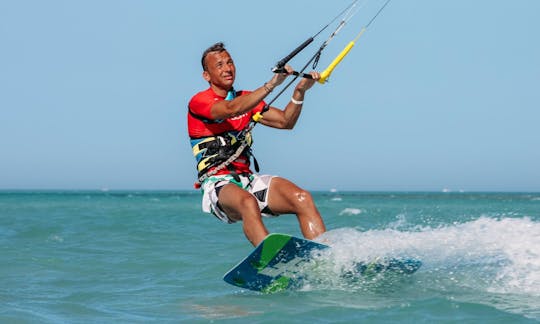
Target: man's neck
{"type": "Point", "coordinates": [219, 91]}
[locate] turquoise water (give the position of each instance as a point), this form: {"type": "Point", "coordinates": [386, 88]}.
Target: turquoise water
{"type": "Point", "coordinates": [138, 257]}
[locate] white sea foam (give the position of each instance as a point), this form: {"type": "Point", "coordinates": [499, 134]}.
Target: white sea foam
{"type": "Point", "coordinates": [489, 255]}
{"type": "Point", "coordinates": [351, 211]}
{"type": "Point", "coordinates": [488, 261]}
{"type": "Point", "coordinates": [55, 238]}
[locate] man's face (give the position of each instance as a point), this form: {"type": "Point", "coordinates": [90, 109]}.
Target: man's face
{"type": "Point", "coordinates": [220, 70]}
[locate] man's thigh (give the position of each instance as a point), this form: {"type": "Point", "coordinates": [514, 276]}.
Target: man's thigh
{"type": "Point", "coordinates": [285, 197]}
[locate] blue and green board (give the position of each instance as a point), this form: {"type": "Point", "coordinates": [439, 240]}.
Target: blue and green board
{"type": "Point", "coordinates": [275, 264]}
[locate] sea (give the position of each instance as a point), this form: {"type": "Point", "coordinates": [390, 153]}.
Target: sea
{"type": "Point", "coordinates": [155, 257]}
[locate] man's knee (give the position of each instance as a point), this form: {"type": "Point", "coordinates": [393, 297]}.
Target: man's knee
{"type": "Point", "coordinates": [302, 198]}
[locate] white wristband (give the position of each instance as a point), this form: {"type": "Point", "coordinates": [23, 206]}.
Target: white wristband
{"type": "Point", "coordinates": [296, 102]}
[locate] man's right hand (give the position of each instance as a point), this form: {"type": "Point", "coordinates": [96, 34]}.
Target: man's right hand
{"type": "Point", "coordinates": [278, 78]}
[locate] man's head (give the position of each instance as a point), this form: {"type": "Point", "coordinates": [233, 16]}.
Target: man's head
{"type": "Point", "coordinates": [218, 66]}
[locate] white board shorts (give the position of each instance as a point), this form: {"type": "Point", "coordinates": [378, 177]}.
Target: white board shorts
{"type": "Point", "coordinates": [257, 185]}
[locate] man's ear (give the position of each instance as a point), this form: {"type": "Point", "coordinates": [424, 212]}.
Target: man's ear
{"type": "Point", "coordinates": [206, 76]}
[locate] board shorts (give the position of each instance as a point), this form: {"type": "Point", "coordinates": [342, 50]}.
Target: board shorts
{"type": "Point", "coordinates": [257, 185]}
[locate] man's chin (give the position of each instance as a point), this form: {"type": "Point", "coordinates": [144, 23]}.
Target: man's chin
{"type": "Point", "coordinates": [228, 85]}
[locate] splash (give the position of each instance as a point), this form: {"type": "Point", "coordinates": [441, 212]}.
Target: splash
{"type": "Point", "coordinates": [488, 261]}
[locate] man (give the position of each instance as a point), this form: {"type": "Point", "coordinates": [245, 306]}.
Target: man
{"type": "Point", "coordinates": [218, 125]}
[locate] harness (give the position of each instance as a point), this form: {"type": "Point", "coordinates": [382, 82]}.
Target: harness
{"type": "Point", "coordinates": [215, 153]}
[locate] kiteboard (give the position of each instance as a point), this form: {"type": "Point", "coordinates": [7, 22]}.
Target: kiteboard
{"type": "Point", "coordinates": [278, 263]}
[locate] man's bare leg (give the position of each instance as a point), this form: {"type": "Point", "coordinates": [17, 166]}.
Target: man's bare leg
{"type": "Point", "coordinates": [241, 205]}
{"type": "Point", "coordinates": [284, 198]}
{"type": "Point", "coordinates": [287, 198]}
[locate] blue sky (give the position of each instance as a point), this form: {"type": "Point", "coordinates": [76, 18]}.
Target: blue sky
{"type": "Point", "coordinates": [435, 95]}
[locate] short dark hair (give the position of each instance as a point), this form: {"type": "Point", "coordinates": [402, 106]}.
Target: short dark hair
{"type": "Point", "coordinates": [217, 47]}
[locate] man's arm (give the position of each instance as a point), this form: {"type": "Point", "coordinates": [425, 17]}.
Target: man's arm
{"type": "Point", "coordinates": [226, 109]}
{"type": "Point", "coordinates": [287, 118]}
